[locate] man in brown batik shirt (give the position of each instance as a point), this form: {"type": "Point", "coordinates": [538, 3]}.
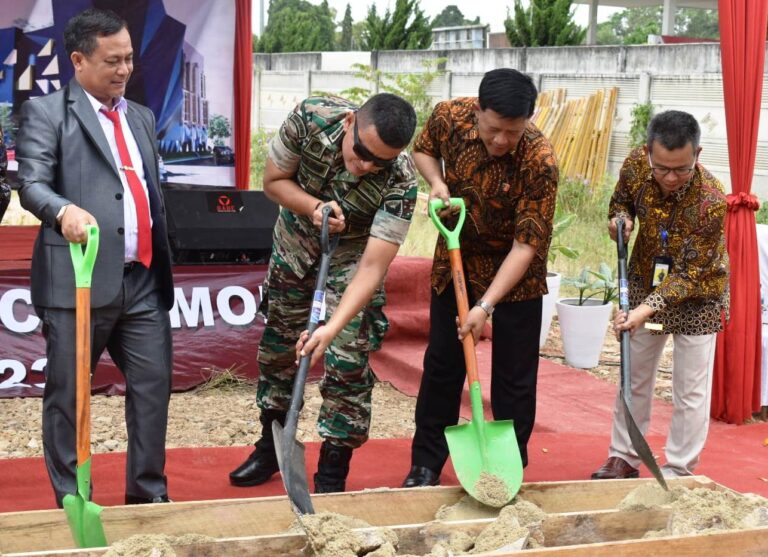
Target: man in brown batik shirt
{"type": "Point", "coordinates": [680, 210]}
{"type": "Point", "coordinates": [505, 170]}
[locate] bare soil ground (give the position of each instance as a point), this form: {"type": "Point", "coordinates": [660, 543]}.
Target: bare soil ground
{"type": "Point", "coordinates": [227, 415]}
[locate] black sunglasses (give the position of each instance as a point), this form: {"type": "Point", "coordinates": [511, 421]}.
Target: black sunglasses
{"type": "Point", "coordinates": [365, 155]}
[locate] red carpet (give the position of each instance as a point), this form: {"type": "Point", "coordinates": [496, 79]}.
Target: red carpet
{"type": "Point", "coordinates": [735, 458]}
{"type": "Point", "coordinates": [17, 242]}
{"type": "Point", "coordinates": [569, 442]}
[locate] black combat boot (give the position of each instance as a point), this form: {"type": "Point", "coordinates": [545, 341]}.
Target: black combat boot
{"type": "Point", "coordinates": [332, 468]}
{"type": "Point", "coordinates": [262, 463]}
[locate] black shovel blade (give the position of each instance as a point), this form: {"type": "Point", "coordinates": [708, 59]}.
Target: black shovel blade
{"type": "Point", "coordinates": [641, 445]}
{"type": "Point", "coordinates": [293, 469]}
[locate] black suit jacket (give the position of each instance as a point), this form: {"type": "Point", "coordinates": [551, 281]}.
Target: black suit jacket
{"type": "Point", "coordinates": [64, 157]}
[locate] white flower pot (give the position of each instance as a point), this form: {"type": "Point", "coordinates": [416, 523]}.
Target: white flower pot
{"type": "Point", "coordinates": [582, 329]}
{"type": "Point", "coordinates": [548, 305]}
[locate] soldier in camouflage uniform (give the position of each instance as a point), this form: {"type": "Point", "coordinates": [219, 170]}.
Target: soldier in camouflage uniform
{"type": "Point", "coordinates": [328, 152]}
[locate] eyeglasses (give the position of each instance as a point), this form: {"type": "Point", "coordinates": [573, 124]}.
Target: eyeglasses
{"type": "Point", "coordinates": [365, 155]}
{"type": "Point", "coordinates": [661, 172]}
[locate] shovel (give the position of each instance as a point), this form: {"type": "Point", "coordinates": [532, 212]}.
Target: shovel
{"type": "Point", "coordinates": [485, 455]}
{"type": "Point", "coordinates": [83, 515]}
{"type": "Point", "coordinates": [290, 452]}
{"type": "Point", "coordinates": [638, 441]}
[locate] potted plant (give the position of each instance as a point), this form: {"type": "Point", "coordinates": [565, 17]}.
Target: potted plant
{"type": "Point", "coordinates": [556, 247]}
{"type": "Point", "coordinates": [583, 320]}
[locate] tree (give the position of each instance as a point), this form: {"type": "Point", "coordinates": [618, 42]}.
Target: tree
{"type": "Point", "coordinates": [358, 31]}
{"type": "Point", "coordinates": [298, 26]}
{"type": "Point", "coordinates": [543, 23]}
{"type": "Point", "coordinates": [633, 26]}
{"type": "Point", "coordinates": [219, 129]}
{"type": "Point", "coordinates": [345, 42]}
{"type": "Point", "coordinates": [404, 29]}
{"type": "Point", "coordinates": [630, 26]}
{"type": "Point", "coordinates": [698, 23]}
{"type": "Point", "coordinates": [451, 16]}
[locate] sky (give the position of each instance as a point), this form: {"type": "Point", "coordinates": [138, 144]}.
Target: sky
{"type": "Point", "coordinates": [493, 12]}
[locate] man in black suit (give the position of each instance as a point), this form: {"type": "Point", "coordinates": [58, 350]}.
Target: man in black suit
{"type": "Point", "coordinates": [88, 156]}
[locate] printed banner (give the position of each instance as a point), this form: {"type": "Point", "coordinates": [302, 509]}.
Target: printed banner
{"type": "Point", "coordinates": [214, 324]}
{"type": "Point", "coordinates": [183, 71]}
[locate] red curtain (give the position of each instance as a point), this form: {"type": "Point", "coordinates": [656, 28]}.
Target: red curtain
{"type": "Point", "coordinates": [243, 81]}
{"type": "Point", "coordinates": [736, 385]}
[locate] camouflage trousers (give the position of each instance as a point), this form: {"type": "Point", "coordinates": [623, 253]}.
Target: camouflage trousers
{"type": "Point", "coordinates": [345, 414]}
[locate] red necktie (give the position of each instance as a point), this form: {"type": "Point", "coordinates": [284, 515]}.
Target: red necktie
{"type": "Point", "coordinates": [137, 191]}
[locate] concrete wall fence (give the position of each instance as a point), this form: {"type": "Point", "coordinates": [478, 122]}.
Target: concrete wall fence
{"type": "Point", "coordinates": [682, 76]}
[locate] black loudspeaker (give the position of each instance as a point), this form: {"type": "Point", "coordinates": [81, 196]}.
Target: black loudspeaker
{"type": "Point", "coordinates": [219, 225]}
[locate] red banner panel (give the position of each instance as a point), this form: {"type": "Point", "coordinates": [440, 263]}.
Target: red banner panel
{"type": "Point", "coordinates": [214, 324]}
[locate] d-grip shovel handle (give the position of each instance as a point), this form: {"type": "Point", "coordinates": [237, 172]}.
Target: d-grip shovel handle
{"type": "Point", "coordinates": [83, 262]}
{"type": "Point", "coordinates": [451, 236]}
{"type": "Point", "coordinates": [621, 248]}
{"type": "Point", "coordinates": [327, 243]}
{"type": "Point", "coordinates": [459, 282]}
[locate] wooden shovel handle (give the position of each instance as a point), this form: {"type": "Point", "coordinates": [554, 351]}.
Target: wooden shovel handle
{"type": "Point", "coordinates": [462, 303]}
{"type": "Point", "coordinates": [83, 373]}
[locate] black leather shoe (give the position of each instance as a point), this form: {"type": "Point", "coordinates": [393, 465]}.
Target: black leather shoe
{"type": "Point", "coordinates": [134, 500]}
{"type": "Point", "coordinates": [421, 476]}
{"type": "Point", "coordinates": [256, 470]}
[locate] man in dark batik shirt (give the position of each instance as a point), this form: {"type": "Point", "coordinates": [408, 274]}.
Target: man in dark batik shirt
{"type": "Point", "coordinates": [506, 172]}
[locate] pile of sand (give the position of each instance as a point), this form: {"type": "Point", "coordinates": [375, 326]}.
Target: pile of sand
{"type": "Point", "coordinates": [332, 535]}
{"type": "Point", "coordinates": [491, 490]}
{"type": "Point", "coordinates": [466, 508]}
{"type": "Point", "coordinates": [699, 510]}
{"type": "Point", "coordinates": [519, 520]}
{"type": "Point", "coordinates": [646, 496]}
{"type": "Point", "coordinates": [501, 532]}
{"type": "Point", "coordinates": [705, 510]}
{"type": "Point", "coordinates": [335, 535]}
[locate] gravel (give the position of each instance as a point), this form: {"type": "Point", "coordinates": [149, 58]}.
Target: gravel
{"type": "Point", "coordinates": [229, 417]}
{"type": "Point", "coordinates": [211, 418]}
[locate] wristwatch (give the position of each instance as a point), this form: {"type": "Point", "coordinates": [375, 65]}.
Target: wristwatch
{"type": "Point", "coordinates": [485, 306]}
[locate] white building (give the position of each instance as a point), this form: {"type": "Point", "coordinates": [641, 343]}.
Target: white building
{"type": "Point", "coordinates": [460, 37]}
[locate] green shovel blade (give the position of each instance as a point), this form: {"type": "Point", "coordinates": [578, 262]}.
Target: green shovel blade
{"type": "Point", "coordinates": [485, 455]}
{"type": "Point", "coordinates": [495, 480]}
{"type": "Point", "coordinates": [83, 515]}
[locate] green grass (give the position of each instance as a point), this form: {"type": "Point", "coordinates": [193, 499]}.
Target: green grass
{"type": "Point", "coordinates": [259, 151]}
{"type": "Point", "coordinates": [588, 232]}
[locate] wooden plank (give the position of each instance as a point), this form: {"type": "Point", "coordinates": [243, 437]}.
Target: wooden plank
{"type": "Point", "coordinates": [563, 497]}
{"type": "Point", "coordinates": [578, 541]}
{"type": "Point", "coordinates": [734, 543]}
{"type": "Point", "coordinates": [232, 518]}
{"type": "Point", "coordinates": [570, 529]}
{"type": "Point", "coordinates": [229, 518]}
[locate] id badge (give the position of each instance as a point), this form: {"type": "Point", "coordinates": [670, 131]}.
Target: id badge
{"type": "Point", "coordinates": [662, 266]}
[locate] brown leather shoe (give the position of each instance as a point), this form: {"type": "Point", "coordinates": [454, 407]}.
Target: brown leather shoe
{"type": "Point", "coordinates": [615, 468]}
